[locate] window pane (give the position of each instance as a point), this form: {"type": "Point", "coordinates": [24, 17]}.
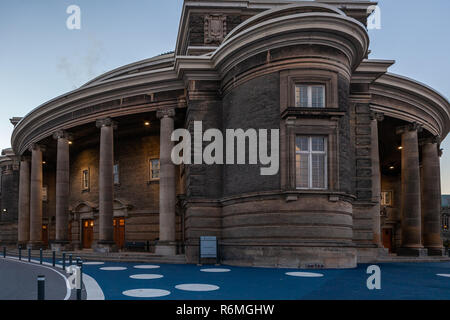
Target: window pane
{"type": "Point", "coordinates": [302, 176]}
{"type": "Point", "coordinates": [116, 174]}
{"type": "Point", "coordinates": [302, 144]}
{"type": "Point", "coordinates": [318, 143]}
{"type": "Point", "coordinates": [301, 96]}
{"type": "Point", "coordinates": [154, 169]}
{"type": "Point", "coordinates": [318, 97]}
{"type": "Point", "coordinates": [318, 171]}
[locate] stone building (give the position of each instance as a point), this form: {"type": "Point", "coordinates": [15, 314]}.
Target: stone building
{"type": "Point", "coordinates": [359, 147]}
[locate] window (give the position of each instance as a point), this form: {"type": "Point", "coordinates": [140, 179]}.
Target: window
{"type": "Point", "coordinates": [44, 193]}
{"type": "Point", "coordinates": [85, 180]}
{"type": "Point", "coordinates": [445, 221]}
{"type": "Point", "coordinates": [311, 162]}
{"type": "Point", "coordinates": [386, 198]}
{"type": "Point", "coordinates": [154, 169]}
{"type": "Point", "coordinates": [310, 96]}
{"type": "Point", "coordinates": [116, 174]}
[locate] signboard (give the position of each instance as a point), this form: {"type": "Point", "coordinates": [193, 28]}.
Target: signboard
{"type": "Point", "coordinates": [208, 247]}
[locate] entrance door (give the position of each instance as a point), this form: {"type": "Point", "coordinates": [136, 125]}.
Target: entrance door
{"type": "Point", "coordinates": [45, 235]}
{"type": "Point", "coordinates": [387, 239]}
{"type": "Point", "coordinates": [119, 232]}
{"type": "Point", "coordinates": [88, 233]}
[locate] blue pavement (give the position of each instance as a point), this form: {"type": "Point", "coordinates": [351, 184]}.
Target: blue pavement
{"type": "Point", "coordinates": [403, 281]}
{"type": "Point", "coordinates": [399, 281]}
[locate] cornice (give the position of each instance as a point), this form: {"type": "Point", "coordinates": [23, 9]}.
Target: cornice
{"type": "Point", "coordinates": [412, 101]}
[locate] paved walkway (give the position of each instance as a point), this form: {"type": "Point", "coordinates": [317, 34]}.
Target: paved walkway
{"type": "Point", "coordinates": [136, 281]}
{"type": "Point", "coordinates": [405, 281]}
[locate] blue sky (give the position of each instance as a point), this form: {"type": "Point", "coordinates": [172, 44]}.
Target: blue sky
{"type": "Point", "coordinates": [40, 58]}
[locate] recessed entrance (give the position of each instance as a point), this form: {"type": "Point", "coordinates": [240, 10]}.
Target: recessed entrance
{"type": "Point", "coordinates": [88, 233]}
{"type": "Point", "coordinates": [45, 235]}
{"type": "Point", "coordinates": [119, 232]}
{"type": "Point", "coordinates": [387, 239]}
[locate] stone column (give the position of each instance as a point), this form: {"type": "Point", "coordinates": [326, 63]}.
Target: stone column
{"type": "Point", "coordinates": [36, 197]}
{"type": "Point", "coordinates": [24, 202]}
{"type": "Point", "coordinates": [376, 177]}
{"type": "Point", "coordinates": [167, 185]}
{"type": "Point", "coordinates": [62, 189]}
{"type": "Point", "coordinates": [431, 197]}
{"type": "Point", "coordinates": [106, 186]}
{"type": "Point", "coordinates": [411, 203]}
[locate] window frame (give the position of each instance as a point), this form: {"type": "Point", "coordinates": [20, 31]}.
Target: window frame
{"type": "Point", "coordinates": [383, 198]}
{"type": "Point", "coordinates": [116, 174]}
{"type": "Point", "coordinates": [309, 89]}
{"type": "Point", "coordinates": [310, 153]}
{"type": "Point", "coordinates": [150, 169]}
{"type": "Point", "coordinates": [85, 186]}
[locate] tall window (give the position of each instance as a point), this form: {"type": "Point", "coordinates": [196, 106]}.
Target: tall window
{"type": "Point", "coordinates": [154, 169]}
{"type": "Point", "coordinates": [85, 179]}
{"type": "Point", "coordinates": [311, 162]}
{"type": "Point", "coordinates": [309, 96]}
{"type": "Point", "coordinates": [116, 174]}
{"type": "Point", "coordinates": [386, 198]}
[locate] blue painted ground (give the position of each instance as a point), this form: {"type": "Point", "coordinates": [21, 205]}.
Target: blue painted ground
{"type": "Point", "coordinates": [403, 281]}
{"type": "Point", "coordinates": [399, 281]}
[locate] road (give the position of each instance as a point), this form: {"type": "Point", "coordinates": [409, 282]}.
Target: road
{"type": "Point", "coordinates": [18, 281]}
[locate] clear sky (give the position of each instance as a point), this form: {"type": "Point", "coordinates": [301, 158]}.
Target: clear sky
{"type": "Point", "coordinates": [40, 58]}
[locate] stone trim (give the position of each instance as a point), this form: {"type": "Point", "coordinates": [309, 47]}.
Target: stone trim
{"type": "Point", "coordinates": [106, 122]}
{"type": "Point", "coordinates": [165, 113]}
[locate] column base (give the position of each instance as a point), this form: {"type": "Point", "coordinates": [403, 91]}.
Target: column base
{"type": "Point", "coordinates": [60, 246]}
{"type": "Point", "coordinates": [412, 252]}
{"type": "Point", "coordinates": [166, 248]}
{"type": "Point", "coordinates": [105, 247]}
{"type": "Point", "coordinates": [35, 245]}
{"type": "Point", "coordinates": [436, 251]}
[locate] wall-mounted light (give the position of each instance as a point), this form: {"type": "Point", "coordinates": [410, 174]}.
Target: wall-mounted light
{"type": "Point", "coordinates": [400, 148]}
{"type": "Point", "coordinates": [44, 162]}
{"type": "Point", "coordinates": [147, 123]}
{"type": "Point", "coordinates": [70, 142]}
{"type": "Point", "coordinates": [391, 167]}
{"type": "Point", "coordinates": [5, 210]}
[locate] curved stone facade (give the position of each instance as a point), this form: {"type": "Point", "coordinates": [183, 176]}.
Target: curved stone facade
{"type": "Point", "coordinates": [98, 159]}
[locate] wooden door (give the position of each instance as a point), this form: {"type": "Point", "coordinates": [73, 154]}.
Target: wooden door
{"type": "Point", "coordinates": [119, 232]}
{"type": "Point", "coordinates": [69, 232]}
{"type": "Point", "coordinates": [387, 239]}
{"type": "Point", "coordinates": [45, 235]}
{"type": "Point", "coordinates": [88, 233]}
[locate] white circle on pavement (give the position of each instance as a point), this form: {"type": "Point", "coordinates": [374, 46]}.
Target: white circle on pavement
{"type": "Point", "coordinates": [113, 268]}
{"type": "Point", "coordinates": [93, 263]}
{"type": "Point", "coordinates": [146, 276]}
{"type": "Point", "coordinates": [146, 293]}
{"type": "Point", "coordinates": [304, 274]}
{"type": "Point", "coordinates": [443, 275]}
{"type": "Point", "coordinates": [197, 287]}
{"type": "Point", "coordinates": [215, 270]}
{"type": "Point", "coordinates": [147, 266]}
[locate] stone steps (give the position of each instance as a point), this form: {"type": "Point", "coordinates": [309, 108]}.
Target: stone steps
{"type": "Point", "coordinates": [111, 257]}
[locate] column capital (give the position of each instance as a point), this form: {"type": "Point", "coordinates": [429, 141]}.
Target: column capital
{"type": "Point", "coordinates": [36, 146]}
{"type": "Point", "coordinates": [166, 113]}
{"type": "Point", "coordinates": [433, 140]}
{"type": "Point", "coordinates": [25, 158]}
{"type": "Point", "coordinates": [62, 134]}
{"type": "Point", "coordinates": [378, 116]}
{"type": "Point", "coordinates": [106, 122]}
{"type": "Point", "coordinates": [414, 126]}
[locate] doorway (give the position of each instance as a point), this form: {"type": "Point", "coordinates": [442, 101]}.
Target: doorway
{"type": "Point", "coordinates": [387, 239]}
{"type": "Point", "coordinates": [119, 232]}
{"type": "Point", "coordinates": [45, 235]}
{"type": "Point", "coordinates": [88, 233]}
